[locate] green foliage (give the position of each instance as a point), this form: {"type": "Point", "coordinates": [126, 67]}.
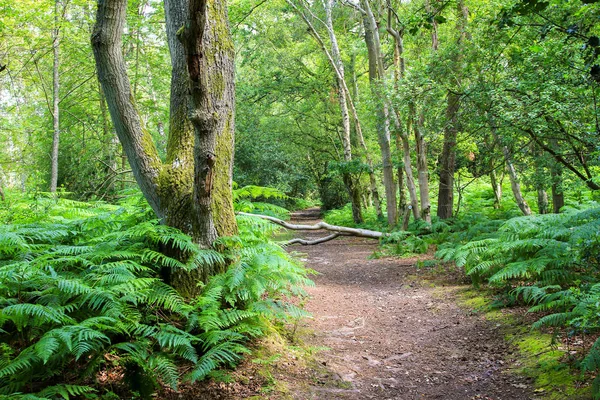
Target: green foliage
{"type": "Point", "coordinates": [548, 261]}
{"type": "Point", "coordinates": [550, 249]}
{"type": "Point", "coordinates": [80, 281]}
{"type": "Point", "coordinates": [245, 200]}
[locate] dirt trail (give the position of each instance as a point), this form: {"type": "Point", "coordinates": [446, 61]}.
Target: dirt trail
{"type": "Point", "coordinates": [390, 337]}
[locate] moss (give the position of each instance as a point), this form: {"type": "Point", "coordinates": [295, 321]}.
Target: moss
{"type": "Point", "coordinates": [180, 144]}
{"type": "Point", "coordinates": [222, 201]}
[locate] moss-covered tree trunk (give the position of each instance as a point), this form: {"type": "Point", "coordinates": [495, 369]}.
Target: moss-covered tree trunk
{"type": "Point", "coordinates": [191, 190]}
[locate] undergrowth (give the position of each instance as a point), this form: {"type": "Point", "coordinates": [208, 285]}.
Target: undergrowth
{"type": "Point", "coordinates": [81, 292]}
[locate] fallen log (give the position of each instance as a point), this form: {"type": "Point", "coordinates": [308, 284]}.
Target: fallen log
{"type": "Point", "coordinates": [338, 230]}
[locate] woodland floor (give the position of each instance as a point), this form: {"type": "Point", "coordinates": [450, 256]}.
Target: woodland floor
{"type": "Point", "coordinates": [380, 331]}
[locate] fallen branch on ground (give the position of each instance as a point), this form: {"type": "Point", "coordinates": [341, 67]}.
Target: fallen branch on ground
{"type": "Point", "coordinates": [339, 230]}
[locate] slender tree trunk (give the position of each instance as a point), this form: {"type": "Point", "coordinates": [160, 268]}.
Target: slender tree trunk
{"type": "Point", "coordinates": [558, 196]}
{"type": "Point", "coordinates": [422, 171]}
{"type": "Point", "coordinates": [512, 174]}
{"type": "Point", "coordinates": [376, 76]}
{"type": "Point", "coordinates": [514, 183]}
{"type": "Point", "coordinates": [542, 200]}
{"type": "Point", "coordinates": [447, 161]}
{"type": "Point", "coordinates": [55, 98]}
{"type": "Point", "coordinates": [434, 27]}
{"type": "Point", "coordinates": [448, 156]}
{"type": "Point", "coordinates": [497, 188]}
{"type": "Point", "coordinates": [542, 196]}
{"type": "Point", "coordinates": [402, 137]}
{"type": "Point", "coordinates": [349, 182]}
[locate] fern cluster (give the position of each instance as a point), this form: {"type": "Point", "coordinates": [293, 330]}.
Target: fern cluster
{"type": "Point", "coordinates": [81, 284]}
{"type": "Point", "coordinates": [552, 249]}
{"type": "Point", "coordinates": [551, 262]}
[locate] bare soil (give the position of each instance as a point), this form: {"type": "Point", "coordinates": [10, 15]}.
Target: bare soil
{"type": "Point", "coordinates": [389, 335]}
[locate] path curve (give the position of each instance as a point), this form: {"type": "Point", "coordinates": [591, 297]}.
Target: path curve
{"type": "Point", "coordinates": [389, 336]}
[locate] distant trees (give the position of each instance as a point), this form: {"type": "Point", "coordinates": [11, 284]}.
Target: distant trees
{"type": "Point", "coordinates": [410, 100]}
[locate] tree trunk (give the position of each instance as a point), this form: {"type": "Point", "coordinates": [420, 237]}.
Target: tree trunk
{"type": "Point", "coordinates": [512, 173]}
{"type": "Point", "coordinates": [497, 188]}
{"type": "Point", "coordinates": [514, 184]}
{"type": "Point", "coordinates": [349, 182]}
{"type": "Point", "coordinates": [448, 159]}
{"type": "Point", "coordinates": [558, 196]}
{"type": "Point", "coordinates": [422, 171]}
{"type": "Point", "coordinates": [376, 76]}
{"type": "Point", "coordinates": [404, 147]}
{"type": "Point", "coordinates": [542, 200]}
{"type": "Point", "coordinates": [434, 27]}
{"type": "Point", "coordinates": [540, 178]}
{"type": "Point", "coordinates": [448, 156]}
{"type": "Point", "coordinates": [55, 98]}
{"type": "Point", "coordinates": [192, 190]}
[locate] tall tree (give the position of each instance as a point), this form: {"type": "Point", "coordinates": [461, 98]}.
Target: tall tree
{"type": "Point", "coordinates": [448, 156]}
{"type": "Point", "coordinates": [192, 190]}
{"type": "Point", "coordinates": [376, 80]}
{"type": "Point", "coordinates": [55, 97]}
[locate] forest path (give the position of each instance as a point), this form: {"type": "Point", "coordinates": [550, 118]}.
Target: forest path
{"type": "Point", "coordinates": [390, 336]}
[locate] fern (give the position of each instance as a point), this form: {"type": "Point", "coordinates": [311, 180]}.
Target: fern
{"type": "Point", "coordinates": [79, 281]}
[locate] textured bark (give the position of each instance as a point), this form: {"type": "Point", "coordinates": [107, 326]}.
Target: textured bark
{"type": "Point", "coordinates": [416, 124]}
{"type": "Point", "coordinates": [402, 142]}
{"type": "Point", "coordinates": [55, 99]}
{"type": "Point", "coordinates": [349, 182]}
{"type": "Point", "coordinates": [448, 157]}
{"type": "Point", "coordinates": [192, 190]}
{"type": "Point", "coordinates": [558, 196]}
{"type": "Point", "coordinates": [112, 73]}
{"type": "Point", "coordinates": [447, 161]}
{"type": "Point", "coordinates": [376, 76]}
{"type": "Point", "coordinates": [515, 185]}
{"type": "Point", "coordinates": [496, 187]}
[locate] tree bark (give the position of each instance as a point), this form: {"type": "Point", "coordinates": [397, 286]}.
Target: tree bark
{"type": "Point", "coordinates": [55, 98]}
{"type": "Point", "coordinates": [514, 183]}
{"type": "Point", "coordinates": [376, 76]}
{"type": "Point", "coordinates": [401, 136]}
{"type": "Point", "coordinates": [349, 181]}
{"type": "Point", "coordinates": [542, 200]}
{"type": "Point", "coordinates": [558, 196]}
{"type": "Point", "coordinates": [422, 172]}
{"type": "Point", "coordinates": [192, 190]}
{"type": "Point", "coordinates": [448, 156]}
{"type": "Point", "coordinates": [497, 188]}
{"type": "Point", "coordinates": [448, 159]}
{"type": "Point", "coordinates": [341, 230]}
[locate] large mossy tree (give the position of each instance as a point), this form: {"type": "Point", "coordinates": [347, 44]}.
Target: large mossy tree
{"type": "Point", "coordinates": [191, 189]}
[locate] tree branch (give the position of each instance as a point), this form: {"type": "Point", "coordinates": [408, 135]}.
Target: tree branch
{"type": "Point", "coordinates": [340, 230]}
